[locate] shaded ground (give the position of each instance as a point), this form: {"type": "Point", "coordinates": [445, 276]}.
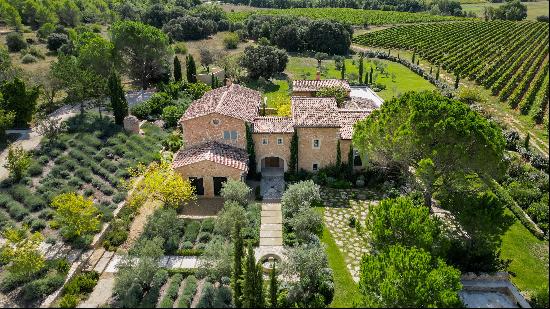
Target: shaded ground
{"type": "Point", "coordinates": [203, 207]}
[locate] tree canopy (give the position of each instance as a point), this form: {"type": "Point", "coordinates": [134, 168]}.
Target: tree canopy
{"type": "Point", "coordinates": [426, 125]}
{"type": "Point", "coordinates": [144, 51]}
{"type": "Point", "coordinates": [264, 61]}
{"type": "Point", "coordinates": [408, 277]}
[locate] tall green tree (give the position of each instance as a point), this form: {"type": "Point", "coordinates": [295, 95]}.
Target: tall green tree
{"type": "Point", "coordinates": [400, 221]}
{"type": "Point", "coordinates": [6, 121]}
{"type": "Point", "coordinates": [251, 152]}
{"type": "Point", "coordinates": [118, 99]}
{"type": "Point", "coordinates": [273, 287]}
{"type": "Point", "coordinates": [144, 51]}
{"type": "Point", "coordinates": [349, 165]}
{"type": "Point", "coordinates": [408, 277]}
{"type": "Point", "coordinates": [260, 296]}
{"type": "Point", "coordinates": [10, 15]}
{"type": "Point", "coordinates": [19, 99]}
{"type": "Point", "coordinates": [17, 162]}
{"type": "Point", "coordinates": [361, 64]}
{"type": "Point", "coordinates": [191, 69]}
{"type": "Point", "coordinates": [293, 161]}
{"type": "Point", "coordinates": [177, 69]}
{"type": "Point", "coordinates": [251, 297]}
{"type": "Point", "coordinates": [343, 70]}
{"type": "Point", "coordinates": [425, 125]}
{"type": "Point", "coordinates": [238, 248]}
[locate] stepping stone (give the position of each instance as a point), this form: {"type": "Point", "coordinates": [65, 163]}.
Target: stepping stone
{"type": "Point", "coordinates": [275, 241]}
{"type": "Point", "coordinates": [92, 262]}
{"type": "Point", "coordinates": [271, 227]}
{"type": "Point", "coordinates": [272, 220]}
{"type": "Point", "coordinates": [104, 261]}
{"type": "Point", "coordinates": [113, 265]}
{"type": "Point", "coordinates": [277, 214]}
{"type": "Point", "coordinates": [270, 234]}
{"type": "Point", "coordinates": [271, 207]}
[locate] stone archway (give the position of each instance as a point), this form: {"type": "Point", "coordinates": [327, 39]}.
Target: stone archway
{"type": "Point", "coordinates": [272, 165]}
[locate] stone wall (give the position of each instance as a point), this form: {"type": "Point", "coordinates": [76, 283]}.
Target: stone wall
{"type": "Point", "coordinates": [272, 149]}
{"type": "Point", "coordinates": [207, 77]}
{"type": "Point", "coordinates": [207, 170]}
{"type": "Point", "coordinates": [202, 129]}
{"type": "Point", "coordinates": [325, 155]}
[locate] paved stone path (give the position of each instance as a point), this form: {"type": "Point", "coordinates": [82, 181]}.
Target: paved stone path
{"type": "Point", "coordinates": [271, 230]}
{"type": "Point", "coordinates": [272, 187]}
{"type": "Point", "coordinates": [351, 241]}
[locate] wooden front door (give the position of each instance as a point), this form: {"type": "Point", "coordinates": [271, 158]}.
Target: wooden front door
{"type": "Point", "coordinates": [272, 162]}
{"type": "Point", "coordinates": [218, 181]}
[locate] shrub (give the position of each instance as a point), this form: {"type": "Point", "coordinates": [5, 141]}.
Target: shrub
{"type": "Point", "coordinates": [190, 252]}
{"type": "Point", "coordinates": [28, 58]}
{"type": "Point", "coordinates": [231, 40]}
{"type": "Point", "coordinates": [82, 283]}
{"type": "Point", "coordinates": [15, 42]}
{"type": "Point", "coordinates": [69, 301]}
{"type": "Point", "coordinates": [204, 237]}
{"type": "Point", "coordinates": [180, 48]}
{"type": "Point", "coordinates": [56, 40]}
{"type": "Point", "coordinates": [235, 190]}
{"type": "Point", "coordinates": [188, 292]}
{"type": "Point", "coordinates": [191, 231]}
{"type": "Point", "coordinates": [208, 225]}
{"type": "Point", "coordinates": [172, 292]}
{"type": "Point", "coordinates": [172, 114]}
{"type": "Point", "coordinates": [16, 210]}
{"type": "Point", "coordinates": [150, 299]}
{"type": "Point", "coordinates": [35, 169]}
{"type": "Point", "coordinates": [42, 287]}
{"type": "Point", "coordinates": [141, 110]}
{"type": "Point", "coordinates": [299, 195]}
{"type": "Point", "coordinates": [173, 142]}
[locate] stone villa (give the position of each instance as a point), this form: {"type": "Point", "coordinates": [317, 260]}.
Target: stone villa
{"type": "Point", "coordinates": [214, 131]}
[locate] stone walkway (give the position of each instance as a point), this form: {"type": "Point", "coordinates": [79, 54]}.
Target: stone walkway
{"type": "Point", "coordinates": [351, 241]}
{"type": "Point", "coordinates": [271, 230]}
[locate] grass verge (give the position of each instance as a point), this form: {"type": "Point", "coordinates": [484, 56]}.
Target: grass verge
{"type": "Point", "coordinates": [346, 291]}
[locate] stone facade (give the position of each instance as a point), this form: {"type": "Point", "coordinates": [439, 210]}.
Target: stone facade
{"type": "Point", "coordinates": [203, 129]}
{"type": "Point", "coordinates": [272, 148]}
{"type": "Point", "coordinates": [324, 155]}
{"type": "Point", "coordinates": [207, 170]}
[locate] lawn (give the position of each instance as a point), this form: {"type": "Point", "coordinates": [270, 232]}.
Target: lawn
{"type": "Point", "coordinates": [399, 79]}
{"type": "Point", "coordinates": [529, 257]}
{"type": "Point", "coordinates": [345, 289]}
{"type": "Point", "coordinates": [534, 9]}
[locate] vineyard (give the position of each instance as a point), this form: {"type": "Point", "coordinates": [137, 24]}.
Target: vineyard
{"type": "Point", "coordinates": [508, 58]}
{"type": "Point", "coordinates": [351, 16]}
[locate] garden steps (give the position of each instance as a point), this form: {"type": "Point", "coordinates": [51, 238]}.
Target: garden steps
{"type": "Point", "coordinates": [94, 259]}
{"type": "Point", "coordinates": [271, 227]}
{"type": "Point", "coordinates": [104, 261]}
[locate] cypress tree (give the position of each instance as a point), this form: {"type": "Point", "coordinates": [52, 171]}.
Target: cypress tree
{"type": "Point", "coordinates": [361, 68]}
{"type": "Point", "coordinates": [260, 296]}
{"type": "Point", "coordinates": [417, 61]}
{"type": "Point", "coordinates": [191, 71]}
{"type": "Point", "coordinates": [238, 249]}
{"type": "Point", "coordinates": [118, 99]}
{"type": "Point", "coordinates": [338, 155]}
{"type": "Point", "coordinates": [457, 80]}
{"type": "Point", "coordinates": [437, 73]}
{"type": "Point", "coordinates": [251, 152]}
{"type": "Point", "coordinates": [249, 281]}
{"type": "Point", "coordinates": [177, 70]}
{"type": "Point", "coordinates": [370, 77]}
{"type": "Point", "coordinates": [343, 70]}
{"type": "Point", "coordinates": [293, 162]}
{"type": "Point", "coordinates": [273, 287]}
{"type": "Point", "coordinates": [431, 70]}
{"type": "Point", "coordinates": [527, 140]}
{"type": "Point", "coordinates": [349, 166]}
{"type": "Point", "coordinates": [367, 77]}
{"type": "Point", "coordinates": [414, 56]}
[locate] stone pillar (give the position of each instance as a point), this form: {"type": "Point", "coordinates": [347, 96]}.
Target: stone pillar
{"type": "Point", "coordinates": [131, 124]}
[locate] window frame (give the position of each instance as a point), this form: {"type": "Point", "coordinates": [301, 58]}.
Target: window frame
{"type": "Point", "coordinates": [280, 139]}
{"type": "Point", "coordinates": [313, 143]}
{"type": "Point", "coordinates": [265, 141]}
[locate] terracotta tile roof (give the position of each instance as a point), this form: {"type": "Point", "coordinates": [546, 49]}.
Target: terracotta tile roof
{"type": "Point", "coordinates": [359, 104]}
{"type": "Point", "coordinates": [233, 101]}
{"type": "Point", "coordinates": [273, 124]}
{"type": "Point", "coordinates": [348, 118]}
{"type": "Point", "coordinates": [315, 85]}
{"type": "Point", "coordinates": [212, 151]}
{"type": "Point", "coordinates": [314, 112]}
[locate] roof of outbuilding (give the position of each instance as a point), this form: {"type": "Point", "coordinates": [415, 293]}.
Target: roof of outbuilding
{"type": "Point", "coordinates": [314, 112]}
{"type": "Point", "coordinates": [273, 124]}
{"type": "Point", "coordinates": [212, 151]}
{"type": "Point", "coordinates": [315, 85]}
{"type": "Point", "coordinates": [233, 101]}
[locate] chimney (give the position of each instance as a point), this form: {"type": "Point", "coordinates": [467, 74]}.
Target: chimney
{"type": "Point", "coordinates": [318, 75]}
